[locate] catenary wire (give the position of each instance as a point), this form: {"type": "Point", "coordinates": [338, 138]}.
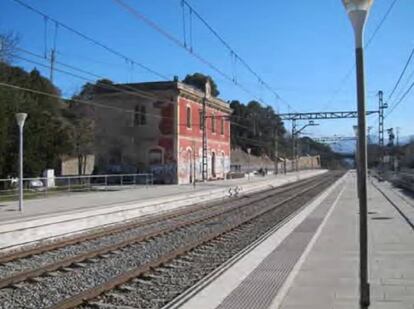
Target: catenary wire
{"type": "Point", "coordinates": [401, 74]}
{"type": "Point", "coordinates": [177, 42]}
{"type": "Point", "coordinates": [90, 39]}
{"type": "Point", "coordinates": [235, 54]}
{"type": "Point", "coordinates": [400, 100]}
{"type": "Point", "coordinates": [369, 41]}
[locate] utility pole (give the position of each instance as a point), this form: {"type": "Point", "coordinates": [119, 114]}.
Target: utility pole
{"type": "Point", "coordinates": [381, 107]}
{"type": "Point", "coordinates": [204, 164]}
{"type": "Point", "coordinates": [193, 166]}
{"type": "Point", "coordinates": [293, 143]}
{"type": "Point", "coordinates": [397, 151]}
{"type": "Point", "coordinates": [52, 63]}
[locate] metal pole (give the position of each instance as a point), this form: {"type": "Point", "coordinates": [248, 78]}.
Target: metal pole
{"type": "Point", "coordinates": [293, 144]}
{"type": "Point", "coordinates": [362, 175]}
{"type": "Point", "coordinates": [248, 163]}
{"type": "Point", "coordinates": [20, 167]}
{"type": "Point", "coordinates": [193, 166]}
{"type": "Point", "coordinates": [204, 164]}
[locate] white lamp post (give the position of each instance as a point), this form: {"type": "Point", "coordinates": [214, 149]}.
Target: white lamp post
{"type": "Point", "coordinates": [249, 150]}
{"type": "Point", "coordinates": [21, 118]}
{"type": "Point", "coordinates": [358, 12]}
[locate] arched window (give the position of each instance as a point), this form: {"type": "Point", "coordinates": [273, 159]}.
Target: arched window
{"type": "Point", "coordinates": [188, 117]}
{"type": "Point", "coordinates": [200, 117]}
{"type": "Point", "coordinates": [213, 123]}
{"type": "Point", "coordinates": [213, 164]}
{"type": "Point", "coordinates": [155, 156]}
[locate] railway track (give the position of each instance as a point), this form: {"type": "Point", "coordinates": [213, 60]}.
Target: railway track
{"type": "Point", "coordinates": [140, 247]}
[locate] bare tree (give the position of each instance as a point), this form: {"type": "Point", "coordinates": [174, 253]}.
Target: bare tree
{"type": "Point", "coordinates": [8, 46]}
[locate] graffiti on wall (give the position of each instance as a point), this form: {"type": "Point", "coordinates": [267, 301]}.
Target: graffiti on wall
{"type": "Point", "coordinates": [190, 167]}
{"type": "Point", "coordinates": [164, 173]}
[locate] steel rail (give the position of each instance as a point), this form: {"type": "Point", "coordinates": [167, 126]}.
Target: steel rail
{"type": "Point", "coordinates": [122, 227]}
{"type": "Point", "coordinates": [22, 276]}
{"type": "Point", "coordinates": [92, 293]}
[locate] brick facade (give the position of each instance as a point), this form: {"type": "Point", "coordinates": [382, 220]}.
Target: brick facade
{"type": "Point", "coordinates": [162, 134]}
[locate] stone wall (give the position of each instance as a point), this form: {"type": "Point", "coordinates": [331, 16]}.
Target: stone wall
{"type": "Point", "coordinates": [70, 165]}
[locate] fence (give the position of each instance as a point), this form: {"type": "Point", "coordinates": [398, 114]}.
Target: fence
{"type": "Point", "coordinates": [45, 186]}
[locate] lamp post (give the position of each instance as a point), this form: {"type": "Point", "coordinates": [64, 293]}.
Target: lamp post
{"type": "Point", "coordinates": [358, 12]}
{"type": "Point", "coordinates": [249, 150]}
{"type": "Point", "coordinates": [356, 156]}
{"type": "Point", "coordinates": [21, 118]}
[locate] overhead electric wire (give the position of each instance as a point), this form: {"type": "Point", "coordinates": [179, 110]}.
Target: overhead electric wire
{"type": "Point", "coordinates": [106, 86]}
{"type": "Point", "coordinates": [51, 95]}
{"type": "Point", "coordinates": [234, 53]}
{"type": "Point", "coordinates": [400, 100]}
{"type": "Point", "coordinates": [380, 23]}
{"type": "Point", "coordinates": [90, 39]}
{"type": "Point", "coordinates": [406, 83]}
{"type": "Point", "coordinates": [119, 54]}
{"type": "Point", "coordinates": [367, 44]}
{"type": "Point", "coordinates": [177, 42]}
{"type": "Point", "coordinates": [121, 88]}
{"type": "Point", "coordinates": [402, 74]}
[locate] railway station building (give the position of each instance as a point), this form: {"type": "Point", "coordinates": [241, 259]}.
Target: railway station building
{"type": "Point", "coordinates": [156, 127]}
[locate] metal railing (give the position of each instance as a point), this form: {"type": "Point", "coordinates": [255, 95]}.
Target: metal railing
{"type": "Point", "coordinates": [46, 186]}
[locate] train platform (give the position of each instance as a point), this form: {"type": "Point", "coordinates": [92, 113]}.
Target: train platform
{"type": "Point", "coordinates": [59, 216]}
{"type": "Point", "coordinates": [312, 259]}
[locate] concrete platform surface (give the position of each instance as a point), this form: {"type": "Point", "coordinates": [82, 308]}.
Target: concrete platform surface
{"type": "Point", "coordinates": [76, 212]}
{"type": "Point", "coordinates": [312, 261]}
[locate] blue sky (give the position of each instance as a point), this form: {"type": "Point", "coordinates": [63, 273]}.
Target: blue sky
{"type": "Point", "coordinates": [303, 49]}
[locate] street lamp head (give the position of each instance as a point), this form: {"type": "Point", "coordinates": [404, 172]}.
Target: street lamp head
{"type": "Point", "coordinates": [357, 5]}
{"type": "Point", "coordinates": [358, 11]}
{"type": "Point", "coordinates": [21, 118]}
{"type": "Point", "coordinates": [355, 129]}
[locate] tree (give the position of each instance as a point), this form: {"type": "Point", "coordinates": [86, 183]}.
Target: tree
{"type": "Point", "coordinates": [198, 80]}
{"type": "Point", "coordinates": [8, 46]}
{"type": "Point", "coordinates": [82, 134]}
{"type": "Point", "coordinates": [256, 127]}
{"type": "Point", "coordinates": [47, 132]}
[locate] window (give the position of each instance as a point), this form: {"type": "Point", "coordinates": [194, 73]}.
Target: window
{"type": "Point", "coordinates": [213, 164]}
{"type": "Point", "coordinates": [213, 123]}
{"type": "Point", "coordinates": [222, 126]}
{"type": "Point", "coordinates": [140, 117]}
{"type": "Point", "coordinates": [155, 156]}
{"type": "Point", "coordinates": [143, 115]}
{"type": "Point", "coordinates": [200, 117]}
{"type": "Point", "coordinates": [188, 117]}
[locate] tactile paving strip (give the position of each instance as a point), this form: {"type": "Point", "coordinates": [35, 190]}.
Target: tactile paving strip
{"type": "Point", "coordinates": [260, 288]}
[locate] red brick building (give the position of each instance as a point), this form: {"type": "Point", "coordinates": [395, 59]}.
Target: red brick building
{"type": "Point", "coordinates": [162, 132]}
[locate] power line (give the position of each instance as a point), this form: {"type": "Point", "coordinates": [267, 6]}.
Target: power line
{"type": "Point", "coordinates": [106, 86]}
{"type": "Point", "coordinates": [402, 74]}
{"type": "Point", "coordinates": [234, 53]}
{"type": "Point", "coordinates": [91, 103]}
{"type": "Point", "coordinates": [121, 88]}
{"type": "Point", "coordinates": [401, 99]}
{"type": "Point", "coordinates": [367, 44]}
{"type": "Point", "coordinates": [380, 23]}
{"type": "Point", "coordinates": [177, 42]}
{"type": "Point", "coordinates": [90, 39]}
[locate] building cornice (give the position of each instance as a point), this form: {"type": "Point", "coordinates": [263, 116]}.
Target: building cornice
{"type": "Point", "coordinates": [194, 94]}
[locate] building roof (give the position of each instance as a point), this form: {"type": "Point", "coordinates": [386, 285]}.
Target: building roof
{"type": "Point", "coordinates": [182, 89]}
